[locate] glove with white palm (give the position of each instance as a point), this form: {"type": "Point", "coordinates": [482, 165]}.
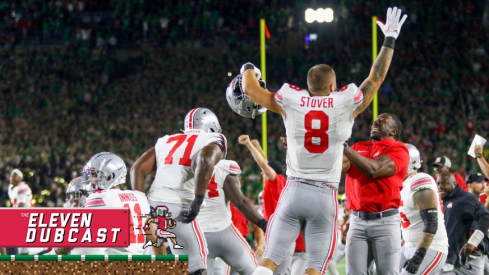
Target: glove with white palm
{"type": "Point", "coordinates": [393, 23]}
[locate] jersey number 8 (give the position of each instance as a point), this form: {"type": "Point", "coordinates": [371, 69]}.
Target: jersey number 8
{"type": "Point", "coordinates": [316, 124]}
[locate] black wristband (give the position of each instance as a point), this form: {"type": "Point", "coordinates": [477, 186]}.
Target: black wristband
{"type": "Point", "coordinates": [419, 255]}
{"type": "Point", "coordinates": [479, 156]}
{"type": "Point", "coordinates": [262, 224]}
{"type": "Point", "coordinates": [248, 66]}
{"type": "Point", "coordinates": [199, 199]}
{"type": "Point", "coordinates": [389, 42]}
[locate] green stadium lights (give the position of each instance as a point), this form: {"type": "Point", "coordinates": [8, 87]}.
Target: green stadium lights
{"type": "Point", "coordinates": [320, 15]}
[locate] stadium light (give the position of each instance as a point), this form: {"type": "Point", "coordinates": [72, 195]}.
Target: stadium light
{"type": "Point", "coordinates": [320, 15]}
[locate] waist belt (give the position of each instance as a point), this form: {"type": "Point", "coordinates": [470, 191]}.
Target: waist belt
{"type": "Point", "coordinates": [376, 215]}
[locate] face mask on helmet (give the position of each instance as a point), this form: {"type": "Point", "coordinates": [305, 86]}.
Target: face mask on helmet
{"type": "Point", "coordinates": [239, 102]}
{"type": "Point", "coordinates": [414, 158]}
{"type": "Point", "coordinates": [202, 119]}
{"type": "Point", "coordinates": [104, 171]}
{"type": "Point", "coordinates": [77, 192]}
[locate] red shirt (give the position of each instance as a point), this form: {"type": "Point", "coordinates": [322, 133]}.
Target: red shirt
{"type": "Point", "coordinates": [271, 194]}
{"type": "Point", "coordinates": [239, 221]}
{"type": "Point", "coordinates": [374, 195]}
{"type": "Point", "coordinates": [460, 181]}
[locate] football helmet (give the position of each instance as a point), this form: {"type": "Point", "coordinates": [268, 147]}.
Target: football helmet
{"type": "Point", "coordinates": [239, 102]}
{"type": "Point", "coordinates": [77, 192]}
{"type": "Point", "coordinates": [105, 170]}
{"type": "Point", "coordinates": [414, 158]}
{"type": "Point", "coordinates": [202, 119]}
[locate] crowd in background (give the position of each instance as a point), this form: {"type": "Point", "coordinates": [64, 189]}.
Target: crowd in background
{"type": "Point", "coordinates": [80, 77]}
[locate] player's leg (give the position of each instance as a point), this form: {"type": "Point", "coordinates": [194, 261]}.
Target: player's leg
{"type": "Point", "coordinates": [282, 231]}
{"type": "Point", "coordinates": [220, 267]}
{"type": "Point", "coordinates": [339, 254]}
{"type": "Point", "coordinates": [214, 245]}
{"type": "Point", "coordinates": [190, 237]}
{"type": "Point", "coordinates": [432, 262]}
{"type": "Point", "coordinates": [357, 247]}
{"type": "Point", "coordinates": [236, 252]}
{"type": "Point", "coordinates": [386, 239]}
{"type": "Point", "coordinates": [320, 232]}
{"type": "Point", "coordinates": [285, 267]}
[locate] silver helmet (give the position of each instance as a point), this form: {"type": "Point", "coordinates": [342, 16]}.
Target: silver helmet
{"type": "Point", "coordinates": [105, 170]}
{"type": "Point", "coordinates": [414, 158]}
{"type": "Point", "coordinates": [202, 119]}
{"type": "Point", "coordinates": [77, 192]}
{"type": "Point", "coordinates": [239, 102]}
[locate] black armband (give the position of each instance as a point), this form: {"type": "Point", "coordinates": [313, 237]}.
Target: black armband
{"type": "Point", "coordinates": [430, 220]}
{"type": "Point", "coordinates": [263, 225]}
{"type": "Point", "coordinates": [389, 42]}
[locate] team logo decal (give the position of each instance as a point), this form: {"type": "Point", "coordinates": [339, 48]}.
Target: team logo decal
{"type": "Point", "coordinates": [449, 205]}
{"type": "Point", "coordinates": [157, 227]}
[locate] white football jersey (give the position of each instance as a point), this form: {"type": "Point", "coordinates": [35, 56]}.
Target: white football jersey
{"type": "Point", "coordinates": [316, 129]}
{"type": "Point", "coordinates": [176, 160]}
{"type": "Point", "coordinates": [21, 193]}
{"type": "Point", "coordinates": [216, 215]}
{"type": "Point", "coordinates": [138, 205]}
{"type": "Point", "coordinates": [411, 221]}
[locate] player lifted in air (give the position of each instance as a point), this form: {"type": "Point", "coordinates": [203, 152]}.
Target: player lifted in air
{"type": "Point", "coordinates": [317, 121]}
{"type": "Point", "coordinates": [184, 164]}
{"type": "Point", "coordinates": [423, 226]}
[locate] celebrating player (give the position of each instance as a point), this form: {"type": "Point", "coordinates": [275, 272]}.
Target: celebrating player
{"type": "Point", "coordinates": [177, 159]}
{"type": "Point", "coordinates": [317, 122]}
{"type": "Point", "coordinates": [223, 238]}
{"type": "Point", "coordinates": [423, 226]}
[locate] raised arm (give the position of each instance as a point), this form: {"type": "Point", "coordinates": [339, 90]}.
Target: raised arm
{"type": "Point", "coordinates": [379, 69]}
{"type": "Point", "coordinates": [207, 158]}
{"type": "Point", "coordinates": [144, 165]}
{"type": "Point", "coordinates": [426, 201]}
{"type": "Point", "coordinates": [241, 202]}
{"type": "Point", "coordinates": [258, 155]}
{"type": "Point", "coordinates": [251, 88]}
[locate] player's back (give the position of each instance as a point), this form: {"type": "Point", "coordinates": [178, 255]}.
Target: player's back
{"type": "Point", "coordinates": [176, 159]}
{"type": "Point", "coordinates": [317, 127]}
{"type": "Point", "coordinates": [139, 207]}
{"type": "Point", "coordinates": [411, 221]}
{"type": "Point", "coordinates": [216, 215]}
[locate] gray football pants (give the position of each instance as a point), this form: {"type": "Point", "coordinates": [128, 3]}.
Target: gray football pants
{"type": "Point", "coordinates": [477, 264]}
{"type": "Point", "coordinates": [190, 236]}
{"type": "Point", "coordinates": [432, 263]}
{"type": "Point", "coordinates": [232, 248]}
{"type": "Point", "coordinates": [379, 240]}
{"type": "Point", "coordinates": [311, 206]}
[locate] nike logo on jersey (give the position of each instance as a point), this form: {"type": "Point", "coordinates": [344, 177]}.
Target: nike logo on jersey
{"type": "Point", "coordinates": [376, 154]}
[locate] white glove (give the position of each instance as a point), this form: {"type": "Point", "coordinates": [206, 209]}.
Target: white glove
{"type": "Point", "coordinates": [392, 26]}
{"type": "Point", "coordinates": [247, 66]}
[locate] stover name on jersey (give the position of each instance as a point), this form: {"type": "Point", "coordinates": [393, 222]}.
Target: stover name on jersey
{"type": "Point", "coordinates": [411, 221]}
{"type": "Point", "coordinates": [316, 129]}
{"type": "Point", "coordinates": [216, 215]}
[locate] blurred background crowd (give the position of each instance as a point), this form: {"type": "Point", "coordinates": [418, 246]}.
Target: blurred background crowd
{"type": "Point", "coordinates": [80, 77]}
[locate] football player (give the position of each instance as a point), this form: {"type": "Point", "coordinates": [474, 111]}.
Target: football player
{"type": "Point", "coordinates": [423, 227]}
{"type": "Point", "coordinates": [184, 164]}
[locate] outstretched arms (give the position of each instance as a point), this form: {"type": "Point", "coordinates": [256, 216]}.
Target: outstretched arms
{"type": "Point", "coordinates": [379, 69]}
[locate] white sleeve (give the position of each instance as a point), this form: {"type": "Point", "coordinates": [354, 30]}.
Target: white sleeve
{"type": "Point", "coordinates": [279, 95]}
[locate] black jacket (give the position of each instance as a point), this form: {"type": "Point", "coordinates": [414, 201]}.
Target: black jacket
{"type": "Point", "coordinates": [461, 210]}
